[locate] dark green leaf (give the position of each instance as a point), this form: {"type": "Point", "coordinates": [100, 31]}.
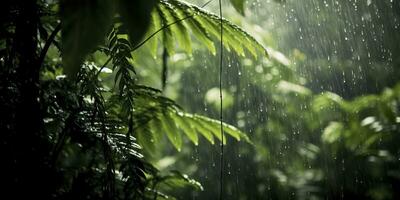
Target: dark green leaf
{"type": "Point", "coordinates": [136, 16]}
{"type": "Point", "coordinates": [238, 5]}
{"type": "Point", "coordinates": [84, 26]}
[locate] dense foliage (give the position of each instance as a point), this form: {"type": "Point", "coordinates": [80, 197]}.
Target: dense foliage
{"type": "Point", "coordinates": [73, 130]}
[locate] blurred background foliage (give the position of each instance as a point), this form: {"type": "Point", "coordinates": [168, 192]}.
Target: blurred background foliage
{"type": "Point", "coordinates": [322, 113]}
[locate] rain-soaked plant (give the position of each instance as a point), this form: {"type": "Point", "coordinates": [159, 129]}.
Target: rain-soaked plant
{"type": "Point", "coordinates": [87, 125]}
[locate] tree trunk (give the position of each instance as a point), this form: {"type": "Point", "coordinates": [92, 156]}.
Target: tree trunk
{"type": "Point", "coordinates": [27, 172]}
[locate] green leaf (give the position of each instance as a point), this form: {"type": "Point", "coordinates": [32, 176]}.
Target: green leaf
{"type": "Point", "coordinates": [165, 117]}
{"type": "Point", "coordinates": [84, 26]}
{"type": "Point", "coordinates": [147, 138]}
{"type": "Point", "coordinates": [197, 29]}
{"type": "Point", "coordinates": [235, 37]}
{"type": "Point", "coordinates": [178, 180]}
{"type": "Point", "coordinates": [215, 129]}
{"type": "Point", "coordinates": [202, 35]}
{"type": "Point", "coordinates": [168, 33]}
{"type": "Point", "coordinates": [154, 26]}
{"type": "Point", "coordinates": [119, 142]}
{"type": "Point", "coordinates": [200, 128]}
{"type": "Point", "coordinates": [332, 132]}
{"type": "Point", "coordinates": [186, 127]}
{"type": "Point", "coordinates": [172, 132]}
{"type": "Point", "coordinates": [181, 17]}
{"type": "Point", "coordinates": [238, 5]}
{"type": "Point", "coordinates": [229, 129]}
{"type": "Point", "coordinates": [180, 31]}
{"type": "Point", "coordinates": [136, 16]}
{"type": "Point", "coordinates": [236, 133]}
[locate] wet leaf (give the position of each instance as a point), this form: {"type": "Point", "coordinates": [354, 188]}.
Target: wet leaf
{"type": "Point", "coordinates": [173, 134]}
{"type": "Point", "coordinates": [180, 17]}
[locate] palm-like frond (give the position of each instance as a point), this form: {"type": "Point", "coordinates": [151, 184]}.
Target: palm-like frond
{"type": "Point", "coordinates": [156, 116]}
{"type": "Point", "coordinates": [181, 19]}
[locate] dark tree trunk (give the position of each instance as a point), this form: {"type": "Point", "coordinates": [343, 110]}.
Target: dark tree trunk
{"type": "Point", "coordinates": [26, 150]}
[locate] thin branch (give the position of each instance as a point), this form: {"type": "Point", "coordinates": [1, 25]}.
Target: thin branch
{"type": "Point", "coordinates": [164, 73]}
{"type": "Point", "coordinates": [153, 34]}
{"type": "Point", "coordinates": [103, 66]}
{"type": "Point", "coordinates": [161, 29]}
{"type": "Point", "coordinates": [49, 40]}
{"type": "Point", "coordinates": [221, 178]}
{"type": "Point", "coordinates": [167, 26]}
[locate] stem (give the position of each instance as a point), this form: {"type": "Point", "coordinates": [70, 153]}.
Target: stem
{"type": "Point", "coordinates": [48, 43]}
{"type": "Point", "coordinates": [155, 33]}
{"type": "Point", "coordinates": [164, 73]}
{"type": "Point", "coordinates": [220, 96]}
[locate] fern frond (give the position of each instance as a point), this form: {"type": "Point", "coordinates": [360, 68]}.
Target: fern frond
{"type": "Point", "coordinates": [156, 116]}
{"type": "Point", "coordinates": [204, 26]}
{"type": "Point", "coordinates": [180, 30]}
{"type": "Point", "coordinates": [175, 121]}
{"type": "Point", "coordinates": [214, 126]}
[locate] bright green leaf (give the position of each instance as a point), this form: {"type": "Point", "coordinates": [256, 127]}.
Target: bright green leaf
{"type": "Point", "coordinates": [154, 26]}
{"type": "Point", "coordinates": [180, 31]}
{"type": "Point", "coordinates": [200, 128]}
{"type": "Point", "coordinates": [186, 127]}
{"type": "Point", "coordinates": [172, 131]}
{"type": "Point", "coordinates": [168, 33]}
{"type": "Point", "coordinates": [205, 27]}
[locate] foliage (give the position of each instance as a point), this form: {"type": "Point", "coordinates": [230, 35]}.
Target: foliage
{"type": "Point", "coordinates": [82, 115]}
{"type": "Point", "coordinates": [204, 26]}
{"type": "Point", "coordinates": [322, 119]}
{"type": "Point", "coordinates": [90, 125]}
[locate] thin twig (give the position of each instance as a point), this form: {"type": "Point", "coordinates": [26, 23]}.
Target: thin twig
{"type": "Point", "coordinates": [153, 34]}
{"type": "Point", "coordinates": [167, 26]}
{"type": "Point", "coordinates": [49, 40]}
{"type": "Point", "coordinates": [104, 65]}
{"type": "Point", "coordinates": [221, 179]}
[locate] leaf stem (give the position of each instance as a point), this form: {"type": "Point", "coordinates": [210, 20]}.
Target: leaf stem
{"type": "Point", "coordinates": [155, 33]}
{"type": "Point", "coordinates": [49, 40]}
{"type": "Point", "coordinates": [220, 96]}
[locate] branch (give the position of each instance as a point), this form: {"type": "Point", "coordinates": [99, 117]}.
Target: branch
{"type": "Point", "coordinates": [166, 26]}
{"type": "Point", "coordinates": [155, 33]}
{"type": "Point", "coordinates": [49, 40]}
